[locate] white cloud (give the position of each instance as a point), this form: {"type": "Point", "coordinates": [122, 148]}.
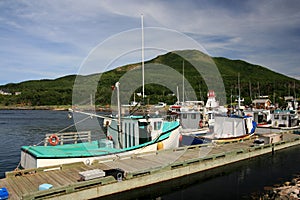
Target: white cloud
{"type": "Point", "coordinates": [52, 35]}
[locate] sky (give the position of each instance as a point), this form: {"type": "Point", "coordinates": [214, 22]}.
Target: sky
{"type": "Point", "coordinates": [52, 38]}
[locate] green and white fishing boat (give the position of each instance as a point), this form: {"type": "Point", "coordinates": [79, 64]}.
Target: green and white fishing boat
{"type": "Point", "coordinates": [136, 134]}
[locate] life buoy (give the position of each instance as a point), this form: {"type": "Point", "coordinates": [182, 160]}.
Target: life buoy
{"type": "Point", "coordinates": [110, 137]}
{"type": "Point", "coordinates": [53, 140]}
{"type": "Point", "coordinates": [201, 124]}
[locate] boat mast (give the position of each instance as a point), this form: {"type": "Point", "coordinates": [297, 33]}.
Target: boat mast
{"type": "Point", "coordinates": [250, 91]}
{"type": "Point", "coordinates": [239, 100]}
{"type": "Point", "coordinates": [183, 81]}
{"type": "Point", "coordinates": [295, 96]}
{"type": "Point", "coordinates": [143, 57]}
{"type": "Point", "coordinates": [119, 114]}
{"type": "Point", "coordinates": [177, 94]}
{"type": "Point", "coordinates": [119, 106]}
{"type": "Point", "coordinates": [258, 90]}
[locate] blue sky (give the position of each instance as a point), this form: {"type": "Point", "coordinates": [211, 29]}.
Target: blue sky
{"type": "Point", "coordinates": [51, 38]}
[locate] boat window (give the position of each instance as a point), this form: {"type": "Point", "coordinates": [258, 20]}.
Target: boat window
{"type": "Point", "coordinates": [129, 135]}
{"type": "Point", "coordinates": [283, 117]}
{"type": "Point", "coordinates": [157, 126]}
{"type": "Point", "coordinates": [184, 116]}
{"type": "Point", "coordinates": [276, 116]}
{"type": "Point", "coordinates": [194, 116]}
{"type": "Point", "coordinates": [143, 124]}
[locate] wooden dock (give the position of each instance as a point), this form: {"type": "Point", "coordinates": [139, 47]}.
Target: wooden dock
{"type": "Point", "coordinates": [140, 170]}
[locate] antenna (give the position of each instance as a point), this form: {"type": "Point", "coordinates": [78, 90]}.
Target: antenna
{"type": "Point", "coordinates": [143, 56]}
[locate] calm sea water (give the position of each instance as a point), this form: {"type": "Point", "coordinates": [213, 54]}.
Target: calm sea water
{"type": "Point", "coordinates": [236, 181]}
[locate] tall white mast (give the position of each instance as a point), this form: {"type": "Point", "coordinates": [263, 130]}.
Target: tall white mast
{"type": "Point", "coordinates": [143, 57]}
{"type": "Point", "coordinates": [239, 100]}
{"type": "Point", "coordinates": [178, 95]}
{"type": "Point", "coordinates": [182, 81]}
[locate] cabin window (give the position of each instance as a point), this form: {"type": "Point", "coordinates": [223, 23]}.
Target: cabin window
{"type": "Point", "coordinates": [157, 126]}
{"type": "Point", "coordinates": [184, 116]}
{"type": "Point", "coordinates": [144, 135]}
{"type": "Point", "coordinates": [283, 117]}
{"type": "Point", "coordinates": [193, 116]}
{"type": "Point", "coordinates": [276, 116]}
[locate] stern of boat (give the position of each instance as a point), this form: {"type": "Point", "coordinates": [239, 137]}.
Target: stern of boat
{"type": "Point", "coordinates": [27, 160]}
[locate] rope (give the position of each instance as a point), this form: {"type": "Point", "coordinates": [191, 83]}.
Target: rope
{"type": "Point", "coordinates": [74, 124]}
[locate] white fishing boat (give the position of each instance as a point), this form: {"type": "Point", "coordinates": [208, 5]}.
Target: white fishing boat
{"type": "Point", "coordinates": [233, 128]}
{"type": "Point", "coordinates": [285, 119]}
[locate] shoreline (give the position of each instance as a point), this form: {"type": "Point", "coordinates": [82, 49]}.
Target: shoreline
{"type": "Point", "coordinates": [56, 108]}
{"type": "Point", "coordinates": [52, 107]}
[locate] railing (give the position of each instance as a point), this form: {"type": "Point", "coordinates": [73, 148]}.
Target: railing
{"type": "Point", "coordinates": [69, 137]}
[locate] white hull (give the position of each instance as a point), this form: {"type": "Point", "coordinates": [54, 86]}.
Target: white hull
{"type": "Point", "coordinates": [29, 161]}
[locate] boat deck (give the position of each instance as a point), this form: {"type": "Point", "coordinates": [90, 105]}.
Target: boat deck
{"type": "Point", "coordinates": [69, 150]}
{"type": "Point", "coordinates": [24, 184]}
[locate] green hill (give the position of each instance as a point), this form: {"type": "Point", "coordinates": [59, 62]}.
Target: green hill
{"type": "Point", "coordinates": [260, 80]}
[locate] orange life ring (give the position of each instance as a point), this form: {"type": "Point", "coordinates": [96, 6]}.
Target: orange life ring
{"type": "Point", "coordinates": [201, 124]}
{"type": "Point", "coordinates": [53, 140]}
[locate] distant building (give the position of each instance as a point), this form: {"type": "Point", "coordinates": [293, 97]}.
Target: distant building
{"type": "Point", "coordinates": [2, 92]}
{"type": "Point", "coordinates": [261, 103]}
{"type": "Point", "coordinates": [7, 93]}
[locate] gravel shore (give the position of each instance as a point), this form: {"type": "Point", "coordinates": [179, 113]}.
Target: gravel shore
{"type": "Point", "coordinates": [288, 190]}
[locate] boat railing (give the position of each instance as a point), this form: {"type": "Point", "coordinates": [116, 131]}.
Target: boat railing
{"type": "Point", "coordinates": [68, 137]}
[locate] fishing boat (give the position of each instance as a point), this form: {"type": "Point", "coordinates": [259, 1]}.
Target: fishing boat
{"type": "Point", "coordinates": [285, 119]}
{"type": "Point", "coordinates": [226, 129]}
{"type": "Point", "coordinates": [233, 128]}
{"type": "Point", "coordinates": [192, 126]}
{"type": "Point", "coordinates": [135, 134]}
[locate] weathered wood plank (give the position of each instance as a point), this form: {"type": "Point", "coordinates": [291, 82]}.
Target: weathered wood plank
{"type": "Point", "coordinates": [13, 188]}
{"type": "Point", "coordinates": [10, 188]}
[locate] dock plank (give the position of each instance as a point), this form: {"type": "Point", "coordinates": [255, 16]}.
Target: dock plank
{"type": "Point", "coordinates": [12, 188]}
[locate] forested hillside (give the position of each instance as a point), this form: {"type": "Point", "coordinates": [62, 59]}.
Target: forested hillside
{"type": "Point", "coordinates": [254, 81]}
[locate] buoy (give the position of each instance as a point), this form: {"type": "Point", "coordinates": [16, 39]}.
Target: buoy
{"type": "Point", "coordinates": [53, 140]}
{"type": "Point", "coordinates": [180, 138]}
{"type": "Point", "coordinates": [109, 137]}
{"type": "Point", "coordinates": [201, 124]}
{"type": "Point", "coordinates": [160, 146]}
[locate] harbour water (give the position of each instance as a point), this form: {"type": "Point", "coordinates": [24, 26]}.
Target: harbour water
{"type": "Point", "coordinates": [235, 181]}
